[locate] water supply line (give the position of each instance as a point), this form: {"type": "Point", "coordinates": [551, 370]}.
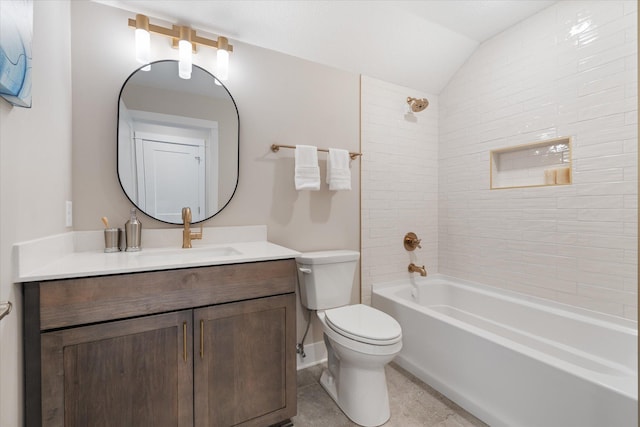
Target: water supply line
{"type": "Point", "coordinates": [300, 345]}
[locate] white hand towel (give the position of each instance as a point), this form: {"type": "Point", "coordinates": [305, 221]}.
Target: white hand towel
{"type": "Point", "coordinates": [338, 173]}
{"type": "Point", "coordinates": [307, 172]}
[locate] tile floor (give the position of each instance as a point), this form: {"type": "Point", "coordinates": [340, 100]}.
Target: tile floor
{"type": "Point", "coordinates": [413, 403]}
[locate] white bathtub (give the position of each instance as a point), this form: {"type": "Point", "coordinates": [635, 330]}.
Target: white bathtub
{"type": "Point", "coordinates": [513, 360]}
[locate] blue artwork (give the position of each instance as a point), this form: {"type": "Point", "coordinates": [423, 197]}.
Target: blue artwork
{"type": "Point", "coordinates": [16, 32]}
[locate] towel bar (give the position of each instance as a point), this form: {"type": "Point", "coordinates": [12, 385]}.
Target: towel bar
{"type": "Point", "coordinates": [6, 309]}
{"type": "Point", "coordinates": [276, 147]}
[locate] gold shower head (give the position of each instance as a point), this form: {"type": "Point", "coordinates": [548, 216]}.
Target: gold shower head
{"type": "Point", "coordinates": [416, 104]}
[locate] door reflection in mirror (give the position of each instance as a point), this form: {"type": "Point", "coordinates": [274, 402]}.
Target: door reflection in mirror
{"type": "Point", "coordinates": [166, 167]}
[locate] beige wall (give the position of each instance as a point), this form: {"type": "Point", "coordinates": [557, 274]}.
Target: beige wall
{"type": "Point", "coordinates": [281, 99]}
{"type": "Point", "coordinates": [35, 179]}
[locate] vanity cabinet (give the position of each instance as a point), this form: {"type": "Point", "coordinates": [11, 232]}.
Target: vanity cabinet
{"type": "Point", "coordinates": [126, 373]}
{"type": "Point", "coordinates": [240, 367]}
{"type": "Point", "coordinates": [206, 346]}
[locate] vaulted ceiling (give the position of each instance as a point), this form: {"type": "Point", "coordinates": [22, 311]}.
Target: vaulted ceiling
{"type": "Point", "coordinates": [418, 44]}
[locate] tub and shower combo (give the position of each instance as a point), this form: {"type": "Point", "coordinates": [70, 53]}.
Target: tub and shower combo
{"type": "Point", "coordinates": [514, 360]}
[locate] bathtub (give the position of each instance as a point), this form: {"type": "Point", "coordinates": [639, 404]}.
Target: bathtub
{"type": "Point", "coordinates": [513, 360]}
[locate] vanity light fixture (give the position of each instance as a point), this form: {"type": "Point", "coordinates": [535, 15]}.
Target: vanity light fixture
{"type": "Point", "coordinates": [222, 59]}
{"type": "Point", "coordinates": [143, 41]}
{"type": "Point", "coordinates": [184, 53]}
{"type": "Point", "coordinates": [186, 40]}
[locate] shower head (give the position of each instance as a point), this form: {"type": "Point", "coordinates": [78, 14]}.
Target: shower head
{"type": "Point", "coordinates": [416, 104]}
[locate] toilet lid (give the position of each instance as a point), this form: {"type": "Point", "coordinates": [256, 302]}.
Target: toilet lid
{"type": "Point", "coordinates": [363, 323]}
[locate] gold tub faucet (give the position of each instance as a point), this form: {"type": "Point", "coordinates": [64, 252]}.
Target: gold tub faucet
{"type": "Point", "coordinates": [416, 269]}
{"type": "Point", "coordinates": [187, 234]}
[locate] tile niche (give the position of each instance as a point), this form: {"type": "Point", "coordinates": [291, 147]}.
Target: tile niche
{"type": "Point", "coordinates": [537, 164]}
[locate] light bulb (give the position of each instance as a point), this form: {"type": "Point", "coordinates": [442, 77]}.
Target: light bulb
{"type": "Point", "coordinates": [143, 47]}
{"type": "Point", "coordinates": [222, 59]}
{"type": "Point", "coordinates": [184, 52]}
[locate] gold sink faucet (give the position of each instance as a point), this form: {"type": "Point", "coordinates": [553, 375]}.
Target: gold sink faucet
{"type": "Point", "coordinates": [187, 234]}
{"type": "Point", "coordinates": [416, 269]}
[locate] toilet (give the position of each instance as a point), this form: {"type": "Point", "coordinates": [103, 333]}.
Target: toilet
{"type": "Point", "coordinates": [360, 340]}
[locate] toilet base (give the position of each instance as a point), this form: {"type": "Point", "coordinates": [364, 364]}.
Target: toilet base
{"type": "Point", "coordinates": [355, 377]}
{"type": "Point", "coordinates": [355, 405]}
{"type": "Point", "coordinates": [328, 383]}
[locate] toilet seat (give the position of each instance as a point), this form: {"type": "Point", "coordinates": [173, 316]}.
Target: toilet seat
{"type": "Point", "coordinates": [364, 324]}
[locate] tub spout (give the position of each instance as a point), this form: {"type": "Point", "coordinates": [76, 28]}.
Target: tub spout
{"type": "Point", "coordinates": [416, 269]}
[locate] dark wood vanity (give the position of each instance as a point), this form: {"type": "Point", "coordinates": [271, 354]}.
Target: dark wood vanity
{"type": "Point", "coordinates": [203, 346]}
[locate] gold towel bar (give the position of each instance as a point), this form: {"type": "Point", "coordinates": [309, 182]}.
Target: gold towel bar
{"type": "Point", "coordinates": [276, 147]}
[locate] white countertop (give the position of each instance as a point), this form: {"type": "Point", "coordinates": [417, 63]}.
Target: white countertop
{"type": "Point", "coordinates": [75, 254]}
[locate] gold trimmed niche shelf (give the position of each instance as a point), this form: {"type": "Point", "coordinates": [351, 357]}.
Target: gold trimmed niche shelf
{"type": "Point", "coordinates": [537, 164]}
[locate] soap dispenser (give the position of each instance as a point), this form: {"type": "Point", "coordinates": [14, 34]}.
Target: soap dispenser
{"type": "Point", "coordinates": [133, 231]}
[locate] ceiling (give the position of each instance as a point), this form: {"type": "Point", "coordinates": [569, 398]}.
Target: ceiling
{"type": "Point", "coordinates": [417, 44]}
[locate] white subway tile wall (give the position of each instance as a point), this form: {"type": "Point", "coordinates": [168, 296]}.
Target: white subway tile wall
{"type": "Point", "coordinates": [571, 70]}
{"type": "Point", "coordinates": [399, 182]}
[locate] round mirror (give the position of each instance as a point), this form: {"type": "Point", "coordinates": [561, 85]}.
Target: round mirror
{"type": "Point", "coordinates": [178, 142]}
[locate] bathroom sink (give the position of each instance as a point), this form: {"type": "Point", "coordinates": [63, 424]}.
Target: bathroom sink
{"type": "Point", "coordinates": [199, 253]}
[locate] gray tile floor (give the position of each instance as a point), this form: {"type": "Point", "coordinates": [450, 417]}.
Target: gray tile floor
{"type": "Point", "coordinates": [413, 403]}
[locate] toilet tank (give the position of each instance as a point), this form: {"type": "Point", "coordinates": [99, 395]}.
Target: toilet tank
{"type": "Point", "coordinates": [326, 278]}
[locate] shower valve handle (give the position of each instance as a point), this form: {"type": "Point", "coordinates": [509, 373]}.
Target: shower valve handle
{"type": "Point", "coordinates": [411, 241]}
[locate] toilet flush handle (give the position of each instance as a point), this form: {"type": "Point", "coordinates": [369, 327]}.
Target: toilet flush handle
{"type": "Point", "coordinates": [305, 270]}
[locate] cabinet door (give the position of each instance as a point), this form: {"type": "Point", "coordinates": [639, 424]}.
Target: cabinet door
{"type": "Point", "coordinates": [245, 371]}
{"type": "Point", "coordinates": [135, 372]}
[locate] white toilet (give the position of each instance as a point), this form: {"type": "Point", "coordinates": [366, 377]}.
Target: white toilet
{"type": "Point", "coordinates": [360, 340]}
